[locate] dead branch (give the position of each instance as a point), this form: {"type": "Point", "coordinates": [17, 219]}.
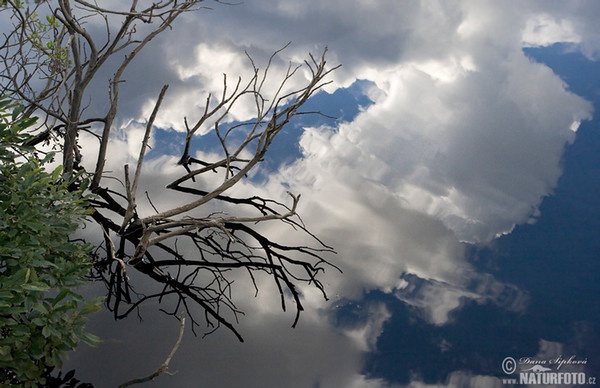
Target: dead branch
{"type": "Point", "coordinates": [164, 368]}
{"type": "Point", "coordinates": [190, 255]}
{"type": "Point", "coordinates": [222, 243]}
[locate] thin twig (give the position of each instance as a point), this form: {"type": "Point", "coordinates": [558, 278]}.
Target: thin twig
{"type": "Point", "coordinates": [164, 368]}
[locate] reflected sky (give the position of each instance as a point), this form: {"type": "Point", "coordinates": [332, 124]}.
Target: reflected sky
{"type": "Point", "coordinates": [554, 260]}
{"type": "Point", "coordinates": [458, 183]}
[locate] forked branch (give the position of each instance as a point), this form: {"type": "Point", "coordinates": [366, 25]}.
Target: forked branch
{"type": "Point", "coordinates": [190, 254]}
{"type": "Point", "coordinates": [219, 246]}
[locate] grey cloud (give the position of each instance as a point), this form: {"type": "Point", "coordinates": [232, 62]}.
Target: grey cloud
{"type": "Point", "coordinates": [315, 353]}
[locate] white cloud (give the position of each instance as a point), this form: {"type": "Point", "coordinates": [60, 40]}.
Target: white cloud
{"type": "Point", "coordinates": [478, 154]}
{"type": "Point", "coordinates": [545, 30]}
{"type": "Point", "coordinates": [475, 146]}
{"type": "Point", "coordinates": [565, 22]}
{"type": "Point", "coordinates": [437, 299]}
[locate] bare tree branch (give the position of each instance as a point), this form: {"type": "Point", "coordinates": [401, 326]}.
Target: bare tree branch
{"type": "Point", "coordinates": [189, 256]}
{"type": "Point", "coordinates": [132, 188]}
{"type": "Point", "coordinates": [164, 368]}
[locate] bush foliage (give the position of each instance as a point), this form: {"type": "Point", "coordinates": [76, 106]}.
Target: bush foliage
{"type": "Point", "coordinates": [41, 314]}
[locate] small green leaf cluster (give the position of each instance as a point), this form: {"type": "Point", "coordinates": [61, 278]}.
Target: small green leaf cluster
{"type": "Point", "coordinates": [44, 35]}
{"type": "Point", "coordinates": [41, 314]}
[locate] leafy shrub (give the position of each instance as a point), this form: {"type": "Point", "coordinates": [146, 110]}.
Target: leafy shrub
{"type": "Point", "coordinates": [41, 315]}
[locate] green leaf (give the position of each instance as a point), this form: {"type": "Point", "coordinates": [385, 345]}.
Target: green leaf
{"type": "Point", "coordinates": [17, 111]}
{"type": "Point", "coordinates": [4, 103]}
{"type": "Point", "coordinates": [46, 331]}
{"type": "Point", "coordinates": [90, 308]}
{"type": "Point", "coordinates": [36, 287]}
{"type": "Point", "coordinates": [41, 308]}
{"type": "Point", "coordinates": [90, 339]}
{"type": "Point", "coordinates": [56, 173]}
{"type": "Point", "coordinates": [5, 353]}
{"type": "Point", "coordinates": [61, 295]}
